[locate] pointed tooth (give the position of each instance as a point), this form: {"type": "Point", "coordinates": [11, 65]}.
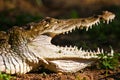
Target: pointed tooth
{"type": "Point", "coordinates": [81, 27]}
{"type": "Point", "coordinates": [107, 21]}
{"type": "Point", "coordinates": [63, 32]}
{"type": "Point", "coordinates": [70, 46]}
{"type": "Point", "coordinates": [90, 51]}
{"type": "Point", "coordinates": [110, 20]}
{"type": "Point", "coordinates": [112, 52]}
{"type": "Point", "coordinates": [96, 23]}
{"type": "Point", "coordinates": [94, 52]}
{"type": "Point", "coordinates": [71, 30]}
{"type": "Point", "coordinates": [67, 32]}
{"type": "Point", "coordinates": [74, 28]}
{"type": "Point", "coordinates": [66, 48]}
{"type": "Point", "coordinates": [87, 28]}
{"type": "Point", "coordinates": [102, 51]}
{"type": "Point", "coordinates": [78, 27]}
{"type": "Point", "coordinates": [98, 50]}
{"type": "Point", "coordinates": [31, 27]}
{"type": "Point", "coordinates": [90, 26]}
{"type": "Point", "coordinates": [80, 48]}
{"type": "Point", "coordinates": [87, 51]}
{"type": "Point", "coordinates": [74, 48]}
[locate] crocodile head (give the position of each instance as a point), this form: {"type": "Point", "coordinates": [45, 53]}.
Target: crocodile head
{"type": "Point", "coordinates": [65, 59]}
{"type": "Point", "coordinates": [25, 49]}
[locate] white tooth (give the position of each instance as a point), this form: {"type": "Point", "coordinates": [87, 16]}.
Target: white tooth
{"type": "Point", "coordinates": [102, 51]}
{"type": "Point", "coordinates": [58, 46]}
{"type": "Point", "coordinates": [63, 33]}
{"type": "Point", "coordinates": [110, 20]}
{"type": "Point", "coordinates": [107, 21]}
{"type": "Point", "coordinates": [70, 46]}
{"type": "Point", "coordinates": [67, 32]}
{"type": "Point", "coordinates": [90, 26]}
{"type": "Point", "coordinates": [74, 28]}
{"type": "Point", "coordinates": [103, 21]}
{"type": "Point", "coordinates": [61, 48]}
{"type": "Point", "coordinates": [96, 23]}
{"type": "Point", "coordinates": [31, 27]}
{"type": "Point", "coordinates": [94, 52]}
{"type": "Point", "coordinates": [112, 52]}
{"type": "Point", "coordinates": [81, 27]}
{"type": "Point", "coordinates": [80, 49]}
{"type": "Point", "coordinates": [90, 51]}
{"type": "Point", "coordinates": [70, 30]}
{"type": "Point", "coordinates": [76, 49]}
{"type": "Point", "coordinates": [65, 46]}
{"type": "Point", "coordinates": [98, 50]}
{"type": "Point", "coordinates": [87, 29]}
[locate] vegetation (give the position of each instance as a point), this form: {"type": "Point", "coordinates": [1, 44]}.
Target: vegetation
{"type": "Point", "coordinates": [108, 61]}
{"type": "Point", "coordinates": [4, 76]}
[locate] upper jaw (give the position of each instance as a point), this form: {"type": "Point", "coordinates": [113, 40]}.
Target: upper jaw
{"type": "Point", "coordinates": [64, 26]}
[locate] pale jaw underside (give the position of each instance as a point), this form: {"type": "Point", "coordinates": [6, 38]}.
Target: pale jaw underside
{"type": "Point", "coordinates": [62, 59]}
{"type": "Point", "coordinates": [67, 65]}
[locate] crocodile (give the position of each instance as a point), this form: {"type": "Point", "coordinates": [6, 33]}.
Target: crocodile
{"type": "Point", "coordinates": [26, 48]}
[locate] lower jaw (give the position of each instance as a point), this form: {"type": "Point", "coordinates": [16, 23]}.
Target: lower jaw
{"type": "Point", "coordinates": [68, 66]}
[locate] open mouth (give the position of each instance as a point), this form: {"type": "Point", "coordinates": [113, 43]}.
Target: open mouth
{"type": "Point", "coordinates": [76, 36]}
{"type": "Point", "coordinates": [82, 39]}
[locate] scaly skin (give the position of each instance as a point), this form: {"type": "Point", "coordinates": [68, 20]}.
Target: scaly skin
{"type": "Point", "coordinates": [23, 50]}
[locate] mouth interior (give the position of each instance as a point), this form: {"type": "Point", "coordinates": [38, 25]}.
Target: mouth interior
{"type": "Point", "coordinates": [81, 39]}
{"type": "Point", "coordinates": [73, 38]}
